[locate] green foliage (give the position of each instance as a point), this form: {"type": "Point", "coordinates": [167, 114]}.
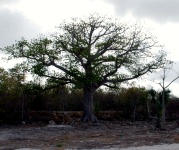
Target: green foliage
{"type": "Point", "coordinates": [61, 98]}
{"type": "Point", "coordinates": [39, 69]}
{"type": "Point", "coordinates": [172, 110]}
{"type": "Point", "coordinates": [32, 88]}
{"type": "Point", "coordinates": [59, 145]}
{"type": "Point", "coordinates": [166, 96]}
{"type": "Point", "coordinates": [11, 89]}
{"type": "Point", "coordinates": [91, 52]}
{"type": "Point", "coordinates": [157, 99]}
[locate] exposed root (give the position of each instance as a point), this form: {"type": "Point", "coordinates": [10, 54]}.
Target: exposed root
{"type": "Point", "coordinates": [89, 118]}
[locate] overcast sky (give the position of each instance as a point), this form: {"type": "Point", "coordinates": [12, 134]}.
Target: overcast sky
{"type": "Point", "coordinates": [29, 18]}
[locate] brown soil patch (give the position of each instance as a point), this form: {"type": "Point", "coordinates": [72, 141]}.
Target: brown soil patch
{"type": "Point", "coordinates": [77, 135]}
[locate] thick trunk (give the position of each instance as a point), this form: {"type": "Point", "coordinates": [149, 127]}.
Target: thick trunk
{"type": "Point", "coordinates": [88, 115]}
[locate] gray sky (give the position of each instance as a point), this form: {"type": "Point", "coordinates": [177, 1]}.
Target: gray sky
{"type": "Point", "coordinates": [161, 11]}
{"type": "Point", "coordinates": [29, 18]}
{"type": "Point", "coordinates": [8, 1]}
{"type": "Point", "coordinates": [164, 18]}
{"type": "Point", "coordinates": [14, 25]}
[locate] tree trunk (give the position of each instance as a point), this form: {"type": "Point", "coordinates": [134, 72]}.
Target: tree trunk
{"type": "Point", "coordinates": [88, 115]}
{"type": "Point", "coordinates": [163, 109]}
{"type": "Point", "coordinates": [148, 108]}
{"type": "Point", "coordinates": [158, 123]}
{"type": "Point", "coordinates": [134, 113]}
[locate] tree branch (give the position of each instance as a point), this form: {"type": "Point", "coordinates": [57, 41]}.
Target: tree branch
{"type": "Point", "coordinates": [64, 70]}
{"type": "Point", "coordinates": [171, 82]}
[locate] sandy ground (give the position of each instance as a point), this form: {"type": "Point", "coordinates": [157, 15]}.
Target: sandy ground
{"type": "Point", "coordinates": [106, 135]}
{"type": "Point", "coordinates": [154, 147]}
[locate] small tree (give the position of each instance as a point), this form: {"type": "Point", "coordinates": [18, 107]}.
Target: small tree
{"type": "Point", "coordinates": [157, 99]}
{"type": "Point", "coordinates": [164, 87]}
{"type": "Point", "coordinates": [90, 53]}
{"type": "Point", "coordinates": [135, 97]}
{"type": "Point", "coordinates": [154, 99]}
{"type": "Point", "coordinates": [11, 90]}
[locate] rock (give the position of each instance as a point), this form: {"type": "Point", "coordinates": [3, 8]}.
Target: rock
{"type": "Point", "coordinates": [51, 122]}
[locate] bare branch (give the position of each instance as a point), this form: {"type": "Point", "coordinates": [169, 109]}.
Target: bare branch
{"type": "Point", "coordinates": [171, 82]}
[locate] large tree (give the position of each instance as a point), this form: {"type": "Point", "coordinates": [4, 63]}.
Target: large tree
{"type": "Point", "coordinates": [89, 53]}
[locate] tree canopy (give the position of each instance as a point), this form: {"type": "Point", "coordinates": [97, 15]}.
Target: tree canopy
{"type": "Point", "coordinates": [91, 52]}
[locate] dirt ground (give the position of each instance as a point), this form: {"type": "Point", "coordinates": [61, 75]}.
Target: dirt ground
{"type": "Point", "coordinates": [77, 135]}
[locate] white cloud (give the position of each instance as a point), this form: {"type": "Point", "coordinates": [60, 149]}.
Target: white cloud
{"type": "Point", "coordinates": [167, 35]}
{"type": "Point", "coordinates": [50, 13]}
